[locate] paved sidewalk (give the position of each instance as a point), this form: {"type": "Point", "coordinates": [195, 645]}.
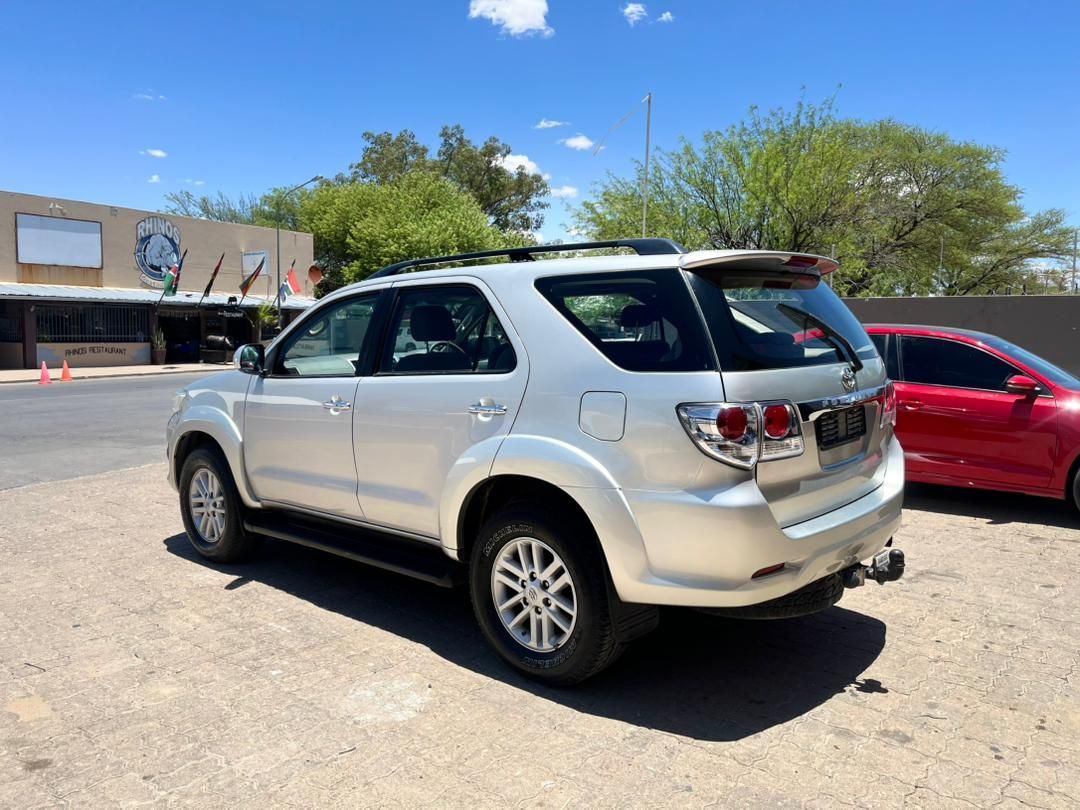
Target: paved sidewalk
{"type": "Point", "coordinates": [132, 672]}
{"type": "Point", "coordinates": [21, 375]}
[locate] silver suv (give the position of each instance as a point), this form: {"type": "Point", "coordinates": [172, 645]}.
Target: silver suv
{"type": "Point", "coordinates": [580, 439]}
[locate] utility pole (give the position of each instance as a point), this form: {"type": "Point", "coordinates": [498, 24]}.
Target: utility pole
{"type": "Point", "coordinates": [645, 178]}
{"type": "Point", "coordinates": [1075, 233]}
{"type": "Point", "coordinates": [278, 202]}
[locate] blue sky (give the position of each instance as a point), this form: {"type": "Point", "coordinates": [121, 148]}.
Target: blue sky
{"type": "Point", "coordinates": [239, 97]}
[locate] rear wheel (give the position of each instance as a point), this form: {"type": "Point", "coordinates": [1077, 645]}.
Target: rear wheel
{"type": "Point", "coordinates": [539, 591]}
{"type": "Point", "coordinates": [211, 508]}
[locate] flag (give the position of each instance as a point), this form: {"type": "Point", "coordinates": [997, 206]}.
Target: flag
{"type": "Point", "coordinates": [315, 274]}
{"type": "Point", "coordinates": [245, 284]}
{"type": "Point", "coordinates": [213, 276]}
{"type": "Point", "coordinates": [172, 278]}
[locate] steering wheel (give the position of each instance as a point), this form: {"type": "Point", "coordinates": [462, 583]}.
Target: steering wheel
{"type": "Point", "coordinates": [445, 346]}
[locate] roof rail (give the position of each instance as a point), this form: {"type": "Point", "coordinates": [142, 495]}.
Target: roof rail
{"type": "Point", "coordinates": [643, 247]}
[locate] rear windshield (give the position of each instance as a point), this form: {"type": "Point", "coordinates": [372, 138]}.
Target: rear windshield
{"type": "Point", "coordinates": [762, 320]}
{"type": "Point", "coordinates": [641, 321]}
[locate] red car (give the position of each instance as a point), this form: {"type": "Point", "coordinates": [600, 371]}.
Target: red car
{"type": "Point", "coordinates": [977, 411]}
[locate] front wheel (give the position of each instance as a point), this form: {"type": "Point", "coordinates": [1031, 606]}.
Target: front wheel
{"type": "Point", "coordinates": [539, 591]}
{"type": "Point", "coordinates": [211, 508]}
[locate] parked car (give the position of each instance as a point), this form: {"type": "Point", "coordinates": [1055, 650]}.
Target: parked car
{"type": "Point", "coordinates": [978, 411]}
{"type": "Point", "coordinates": [486, 422]}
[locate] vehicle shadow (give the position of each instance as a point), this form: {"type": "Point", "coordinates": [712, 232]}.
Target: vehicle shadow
{"type": "Point", "coordinates": [698, 676]}
{"type": "Point", "coordinates": [998, 508]}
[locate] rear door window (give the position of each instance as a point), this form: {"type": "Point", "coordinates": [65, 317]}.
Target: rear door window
{"type": "Point", "coordinates": [766, 320]}
{"type": "Point", "coordinates": [936, 361]}
{"type": "Point", "coordinates": [886, 347]}
{"type": "Point", "coordinates": [641, 321]}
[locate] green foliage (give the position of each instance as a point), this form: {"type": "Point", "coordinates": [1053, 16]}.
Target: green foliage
{"type": "Point", "coordinates": [512, 200]}
{"type": "Point", "coordinates": [220, 208]}
{"type": "Point", "coordinates": [360, 227]}
{"type": "Point", "coordinates": [878, 196]}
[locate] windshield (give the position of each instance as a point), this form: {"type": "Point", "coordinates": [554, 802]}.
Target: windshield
{"type": "Point", "coordinates": [1041, 366]}
{"type": "Point", "coordinates": [777, 320]}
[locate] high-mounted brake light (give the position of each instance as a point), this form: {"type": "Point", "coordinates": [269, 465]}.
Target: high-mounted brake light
{"type": "Point", "coordinates": [743, 433]}
{"type": "Point", "coordinates": [801, 261]}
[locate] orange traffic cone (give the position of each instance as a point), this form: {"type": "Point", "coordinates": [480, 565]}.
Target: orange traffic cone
{"type": "Point", "coordinates": [45, 379]}
{"type": "Point", "coordinates": [65, 375]}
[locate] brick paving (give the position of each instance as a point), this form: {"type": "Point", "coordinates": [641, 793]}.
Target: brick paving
{"type": "Point", "coordinates": [133, 673]}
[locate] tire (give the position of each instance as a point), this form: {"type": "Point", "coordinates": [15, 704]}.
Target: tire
{"type": "Point", "coordinates": [592, 642]}
{"type": "Point", "coordinates": [1075, 490]}
{"type": "Point", "coordinates": [219, 536]}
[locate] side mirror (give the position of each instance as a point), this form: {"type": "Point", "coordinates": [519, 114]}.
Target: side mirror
{"type": "Point", "coordinates": [251, 358]}
{"type": "Point", "coordinates": [1022, 386]}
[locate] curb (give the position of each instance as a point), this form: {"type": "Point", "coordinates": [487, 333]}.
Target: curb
{"type": "Point", "coordinates": [76, 376]}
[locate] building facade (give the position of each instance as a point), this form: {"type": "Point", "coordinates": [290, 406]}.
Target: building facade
{"type": "Point", "coordinates": [83, 282]}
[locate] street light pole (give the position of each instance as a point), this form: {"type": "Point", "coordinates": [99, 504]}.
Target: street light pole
{"type": "Point", "coordinates": [278, 202]}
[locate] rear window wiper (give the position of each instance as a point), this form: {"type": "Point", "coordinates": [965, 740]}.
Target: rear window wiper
{"type": "Point", "coordinates": [830, 331]}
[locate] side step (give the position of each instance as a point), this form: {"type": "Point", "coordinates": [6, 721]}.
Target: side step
{"type": "Point", "coordinates": [413, 558]}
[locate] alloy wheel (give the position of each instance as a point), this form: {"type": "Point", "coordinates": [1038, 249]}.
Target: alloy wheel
{"type": "Point", "coordinates": [534, 594]}
{"type": "Point", "coordinates": [206, 500]}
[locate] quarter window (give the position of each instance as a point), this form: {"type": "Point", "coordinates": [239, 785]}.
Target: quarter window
{"type": "Point", "coordinates": [643, 321]}
{"type": "Point", "coordinates": [446, 330]}
{"type": "Point", "coordinates": [934, 361]}
{"type": "Point", "coordinates": [328, 344]}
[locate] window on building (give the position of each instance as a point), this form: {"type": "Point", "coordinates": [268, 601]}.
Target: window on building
{"type": "Point", "coordinates": [92, 323]}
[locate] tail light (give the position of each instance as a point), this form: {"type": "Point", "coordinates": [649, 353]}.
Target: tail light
{"type": "Point", "coordinates": [743, 433]}
{"type": "Point", "coordinates": [888, 409]}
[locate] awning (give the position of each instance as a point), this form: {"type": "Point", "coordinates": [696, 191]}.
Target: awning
{"type": "Point", "coordinates": [17, 291]}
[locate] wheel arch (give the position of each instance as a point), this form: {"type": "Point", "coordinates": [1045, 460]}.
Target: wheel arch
{"type": "Point", "coordinates": [203, 427]}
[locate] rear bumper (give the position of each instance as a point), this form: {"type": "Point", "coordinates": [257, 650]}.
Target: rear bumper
{"type": "Point", "coordinates": [702, 549]}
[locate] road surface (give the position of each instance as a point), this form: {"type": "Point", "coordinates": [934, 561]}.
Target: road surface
{"type": "Point", "coordinates": [62, 431]}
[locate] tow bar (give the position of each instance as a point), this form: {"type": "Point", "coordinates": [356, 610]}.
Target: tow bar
{"type": "Point", "coordinates": [887, 566]}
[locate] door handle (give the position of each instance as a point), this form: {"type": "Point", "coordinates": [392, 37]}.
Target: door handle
{"type": "Point", "coordinates": [336, 405]}
{"type": "Point", "coordinates": [911, 404]}
{"type": "Point", "coordinates": [487, 410]}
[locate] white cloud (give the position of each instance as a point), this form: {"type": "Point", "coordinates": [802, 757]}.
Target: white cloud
{"type": "Point", "coordinates": [200, 182]}
{"type": "Point", "coordinates": [514, 162]}
{"type": "Point", "coordinates": [634, 12]}
{"type": "Point", "coordinates": [148, 95]}
{"type": "Point", "coordinates": [667, 16]}
{"type": "Point", "coordinates": [517, 18]}
{"type": "Point", "coordinates": [153, 179]}
{"type": "Point", "coordinates": [154, 153]}
{"type": "Point", "coordinates": [579, 142]}
{"type": "Point", "coordinates": [547, 123]}
{"type": "Point", "coordinates": [573, 230]}
{"type": "Point", "coordinates": [564, 192]}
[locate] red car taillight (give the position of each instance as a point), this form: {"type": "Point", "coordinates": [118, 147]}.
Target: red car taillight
{"type": "Point", "coordinates": [743, 433]}
{"type": "Point", "coordinates": [888, 407]}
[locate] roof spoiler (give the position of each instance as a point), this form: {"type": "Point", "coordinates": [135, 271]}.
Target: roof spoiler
{"type": "Point", "coordinates": [770, 260]}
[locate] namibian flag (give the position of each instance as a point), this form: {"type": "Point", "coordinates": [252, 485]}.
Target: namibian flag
{"type": "Point", "coordinates": [245, 285]}
{"type": "Point", "coordinates": [291, 284]}
{"type": "Point", "coordinates": [172, 278]}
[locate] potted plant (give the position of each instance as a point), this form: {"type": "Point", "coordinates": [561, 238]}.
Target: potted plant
{"type": "Point", "coordinates": [265, 318]}
{"type": "Point", "coordinates": [158, 346]}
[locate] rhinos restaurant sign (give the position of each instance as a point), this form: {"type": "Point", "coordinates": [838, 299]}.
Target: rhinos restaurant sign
{"type": "Point", "coordinates": [157, 248]}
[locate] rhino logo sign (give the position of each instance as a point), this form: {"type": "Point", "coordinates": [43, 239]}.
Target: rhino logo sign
{"type": "Point", "coordinates": [157, 248]}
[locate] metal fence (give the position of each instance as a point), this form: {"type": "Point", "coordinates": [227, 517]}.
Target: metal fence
{"type": "Point", "coordinates": [92, 324]}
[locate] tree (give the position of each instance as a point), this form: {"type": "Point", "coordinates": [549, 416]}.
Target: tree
{"type": "Point", "coordinates": [511, 196]}
{"type": "Point", "coordinates": [360, 227]}
{"type": "Point", "coordinates": [220, 208]}
{"type": "Point", "coordinates": [388, 157]}
{"type": "Point", "coordinates": [881, 197]}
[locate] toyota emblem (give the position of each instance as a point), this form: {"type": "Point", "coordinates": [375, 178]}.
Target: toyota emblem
{"type": "Point", "coordinates": [847, 379]}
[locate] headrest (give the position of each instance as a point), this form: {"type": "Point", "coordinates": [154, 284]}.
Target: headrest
{"type": "Point", "coordinates": [431, 322]}
{"type": "Point", "coordinates": [636, 315]}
